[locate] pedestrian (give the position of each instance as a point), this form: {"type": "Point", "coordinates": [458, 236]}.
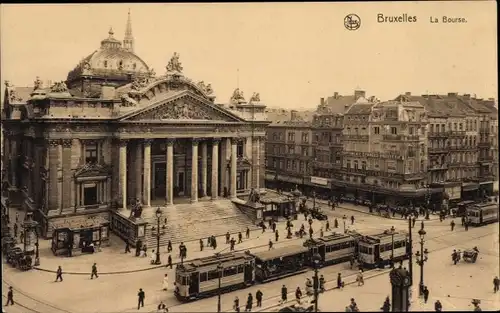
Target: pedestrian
{"type": "Point", "coordinates": [452, 224]}
{"type": "Point", "coordinates": [276, 235]}
{"type": "Point", "coordinates": [353, 306]}
{"type": "Point", "coordinates": [340, 283]}
{"type": "Point", "coordinates": [438, 307]}
{"type": "Point", "coordinates": [248, 233]}
{"type": "Point", "coordinates": [138, 249]}
{"type": "Point", "coordinates": [274, 226]}
{"type": "Point", "coordinates": [94, 271]}
{"type": "Point", "coordinates": [21, 237]}
{"type": "Point", "coordinates": [426, 294]}
{"type": "Point", "coordinates": [228, 237]}
{"type": "Point", "coordinates": [496, 284]}
{"type": "Point", "coordinates": [145, 250]}
{"type": "Point", "coordinates": [263, 227]}
{"type": "Point", "coordinates": [153, 257]}
{"type": "Point", "coordinates": [352, 219]}
{"type": "Point", "coordinates": [10, 297]}
{"type": "Point", "coordinates": [249, 305]}
{"type": "Point", "coordinates": [59, 273]}
{"type": "Point", "coordinates": [321, 232]}
{"type": "Point", "coordinates": [201, 244]}
{"type": "Point", "coordinates": [232, 242]}
{"type": "Point", "coordinates": [209, 241]}
{"type": "Point", "coordinates": [311, 232]}
{"type": "Point", "coordinates": [335, 223]}
{"type": "Point", "coordinates": [141, 295]}
{"type": "Point", "coordinates": [322, 283]}
{"type": "Point", "coordinates": [270, 244]}
{"type": "Point", "coordinates": [169, 261]}
{"type": "Point", "coordinates": [298, 294]}
{"type": "Point", "coordinates": [414, 221]}
{"type": "Point", "coordinates": [236, 304]}
{"type": "Point", "coordinates": [214, 243]}
{"type": "Point", "coordinates": [284, 293]}
{"type": "Point", "coordinates": [463, 220]}
{"type": "Point", "coordinates": [360, 279]}
{"type": "Point", "coordinates": [162, 307]}
{"type": "Point", "coordinates": [127, 247]}
{"type": "Point", "coordinates": [15, 230]}
{"type": "Point", "coordinates": [258, 297]}
{"type": "Point", "coordinates": [327, 226]}
{"type": "Point", "coordinates": [169, 246]}
{"type": "Point", "coordinates": [310, 221]}
{"type": "Point", "coordinates": [165, 282]}
{"type": "Point", "coordinates": [466, 225]}
{"type": "Point", "coordinates": [240, 237]}
{"type": "Point", "coordinates": [17, 217]}
{"type": "Point", "coordinates": [386, 307]}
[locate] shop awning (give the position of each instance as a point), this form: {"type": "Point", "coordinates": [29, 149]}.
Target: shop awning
{"type": "Point", "coordinates": [469, 186]}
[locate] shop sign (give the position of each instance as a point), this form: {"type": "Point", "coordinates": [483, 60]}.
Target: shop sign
{"type": "Point", "coordinates": [454, 192]}
{"type": "Point", "coordinates": [319, 181]}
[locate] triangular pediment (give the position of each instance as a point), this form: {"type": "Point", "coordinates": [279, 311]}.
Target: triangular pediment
{"type": "Point", "coordinates": [185, 106]}
{"type": "Point", "coordinates": [92, 170]}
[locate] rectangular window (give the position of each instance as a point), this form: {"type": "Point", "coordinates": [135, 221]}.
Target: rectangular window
{"type": "Point", "coordinates": [394, 131]}
{"type": "Point", "coordinates": [233, 270]}
{"type": "Point", "coordinates": [239, 150]}
{"type": "Point", "coordinates": [213, 275]}
{"type": "Point", "coordinates": [376, 130]}
{"type": "Point", "coordinates": [89, 194]}
{"type": "Point", "coordinates": [203, 277]}
{"type": "Point", "coordinates": [91, 150]}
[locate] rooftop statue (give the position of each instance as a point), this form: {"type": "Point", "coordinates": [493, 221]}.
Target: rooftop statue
{"type": "Point", "coordinates": [255, 97]}
{"type": "Point", "coordinates": [174, 65]}
{"type": "Point", "coordinates": [206, 88]}
{"type": "Point", "coordinates": [151, 73]}
{"type": "Point", "coordinates": [37, 83]}
{"type": "Point", "coordinates": [238, 95]}
{"type": "Point", "coordinates": [59, 87]}
{"type": "Point", "coordinates": [209, 89]}
{"type": "Point", "coordinates": [139, 82]}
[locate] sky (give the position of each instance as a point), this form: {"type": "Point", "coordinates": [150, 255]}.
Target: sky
{"type": "Point", "coordinates": [291, 53]}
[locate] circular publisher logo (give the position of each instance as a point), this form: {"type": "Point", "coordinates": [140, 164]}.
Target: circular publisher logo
{"type": "Point", "coordinates": [352, 22]}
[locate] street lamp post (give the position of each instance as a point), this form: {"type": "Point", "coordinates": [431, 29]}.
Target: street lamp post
{"type": "Point", "coordinates": [422, 257]}
{"type": "Point", "coordinates": [158, 214]}
{"type": "Point", "coordinates": [428, 202]}
{"type": "Point", "coordinates": [393, 231]}
{"type": "Point", "coordinates": [410, 252]}
{"type": "Point", "coordinates": [219, 269]}
{"type": "Point", "coordinates": [314, 199]}
{"type": "Point", "coordinates": [316, 260]}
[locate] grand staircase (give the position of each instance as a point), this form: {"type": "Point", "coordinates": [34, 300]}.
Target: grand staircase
{"type": "Point", "coordinates": [187, 222]}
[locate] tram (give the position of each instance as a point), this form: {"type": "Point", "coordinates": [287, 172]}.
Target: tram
{"type": "Point", "coordinates": [377, 250]}
{"type": "Point", "coordinates": [281, 262]}
{"type": "Point", "coordinates": [199, 278]}
{"type": "Point", "coordinates": [335, 248]}
{"type": "Point", "coordinates": [482, 213]}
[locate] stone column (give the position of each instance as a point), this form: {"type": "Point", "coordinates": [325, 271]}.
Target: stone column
{"type": "Point", "coordinates": [234, 143]}
{"type": "Point", "coordinates": [147, 173]}
{"type": "Point", "coordinates": [138, 171]}
{"type": "Point", "coordinates": [223, 166]}
{"type": "Point", "coordinates": [215, 167]}
{"type": "Point", "coordinates": [6, 157]}
{"type": "Point", "coordinates": [170, 171]}
{"type": "Point", "coordinates": [66, 174]}
{"type": "Point", "coordinates": [13, 161]}
{"type": "Point", "coordinates": [123, 174]}
{"type": "Point", "coordinates": [256, 163]}
{"type": "Point", "coordinates": [53, 193]}
{"type": "Point", "coordinates": [204, 168]}
{"type": "Point", "coordinates": [194, 171]}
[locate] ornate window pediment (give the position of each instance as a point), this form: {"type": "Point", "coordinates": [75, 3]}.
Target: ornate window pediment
{"type": "Point", "coordinates": [93, 170]}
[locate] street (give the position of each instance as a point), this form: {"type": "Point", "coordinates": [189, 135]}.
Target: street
{"type": "Point", "coordinates": [80, 294]}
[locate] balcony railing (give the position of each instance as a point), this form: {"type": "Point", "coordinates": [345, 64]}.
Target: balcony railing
{"type": "Point", "coordinates": [325, 165]}
{"type": "Point", "coordinates": [379, 155]}
{"type": "Point", "coordinates": [461, 148]}
{"type": "Point", "coordinates": [484, 131]}
{"type": "Point", "coordinates": [437, 135]}
{"type": "Point", "coordinates": [484, 144]}
{"type": "Point", "coordinates": [438, 150]}
{"type": "Point", "coordinates": [401, 137]}
{"type": "Point", "coordinates": [393, 137]}
{"type": "Point", "coordinates": [438, 167]}
{"type": "Point", "coordinates": [457, 133]}
{"type": "Point", "coordinates": [367, 172]}
{"type": "Point", "coordinates": [355, 137]}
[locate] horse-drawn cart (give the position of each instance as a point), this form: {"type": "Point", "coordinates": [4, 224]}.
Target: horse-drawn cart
{"type": "Point", "coordinates": [470, 255]}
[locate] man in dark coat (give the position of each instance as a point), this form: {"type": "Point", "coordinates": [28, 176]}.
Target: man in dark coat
{"type": "Point", "coordinates": [284, 293]}
{"type": "Point", "coordinates": [141, 295]}
{"type": "Point", "coordinates": [94, 271]}
{"type": "Point", "coordinates": [10, 297]}
{"type": "Point", "coordinates": [258, 297]}
{"type": "Point", "coordinates": [59, 274]}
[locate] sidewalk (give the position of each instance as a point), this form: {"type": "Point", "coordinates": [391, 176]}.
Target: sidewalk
{"type": "Point", "coordinates": [365, 210]}
{"type": "Point", "coordinates": [129, 263]}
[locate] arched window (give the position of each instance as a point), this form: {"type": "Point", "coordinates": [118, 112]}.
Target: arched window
{"type": "Point", "coordinates": [105, 63]}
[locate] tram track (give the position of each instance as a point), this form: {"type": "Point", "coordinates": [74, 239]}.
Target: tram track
{"type": "Point", "coordinates": [20, 298]}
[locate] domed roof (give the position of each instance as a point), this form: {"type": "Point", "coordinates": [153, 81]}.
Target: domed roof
{"type": "Point", "coordinates": [111, 59]}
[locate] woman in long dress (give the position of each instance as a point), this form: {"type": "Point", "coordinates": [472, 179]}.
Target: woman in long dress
{"type": "Point", "coordinates": [165, 282]}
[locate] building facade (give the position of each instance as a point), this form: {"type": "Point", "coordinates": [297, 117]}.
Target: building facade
{"type": "Point", "coordinates": [115, 133]}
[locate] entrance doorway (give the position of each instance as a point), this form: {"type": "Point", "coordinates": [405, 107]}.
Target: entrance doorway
{"type": "Point", "coordinates": [180, 184]}
{"type": "Point", "coordinates": [160, 180]}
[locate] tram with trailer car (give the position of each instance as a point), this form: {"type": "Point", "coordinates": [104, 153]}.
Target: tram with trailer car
{"type": "Point", "coordinates": [482, 213]}
{"type": "Point", "coordinates": [281, 262]}
{"type": "Point", "coordinates": [378, 249]}
{"type": "Point", "coordinates": [333, 249]}
{"type": "Point", "coordinates": [199, 278]}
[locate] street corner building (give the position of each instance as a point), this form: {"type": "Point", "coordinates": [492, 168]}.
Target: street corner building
{"type": "Point", "coordinates": [441, 149]}
{"type": "Point", "coordinates": [81, 153]}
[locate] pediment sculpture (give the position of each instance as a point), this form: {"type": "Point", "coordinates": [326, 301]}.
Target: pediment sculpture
{"type": "Point", "coordinates": [139, 83]}
{"type": "Point", "coordinates": [7, 83]}
{"type": "Point", "coordinates": [181, 110]}
{"type": "Point", "coordinates": [92, 169]}
{"type": "Point", "coordinates": [59, 87]}
{"type": "Point", "coordinates": [13, 96]}
{"type": "Point", "coordinates": [207, 89]}
{"type": "Point", "coordinates": [174, 65]}
{"type": "Point", "coordinates": [38, 84]}
{"type": "Point", "coordinates": [151, 73]}
{"type": "Point", "coordinates": [237, 96]}
{"type": "Point", "coordinates": [255, 97]}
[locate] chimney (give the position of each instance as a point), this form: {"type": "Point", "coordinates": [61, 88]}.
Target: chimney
{"type": "Point", "coordinates": [407, 93]}
{"type": "Point", "coordinates": [322, 101]}
{"type": "Point", "coordinates": [293, 115]}
{"type": "Point", "coordinates": [335, 95]}
{"type": "Point", "coordinates": [358, 94]}
{"type": "Point", "coordinates": [452, 94]}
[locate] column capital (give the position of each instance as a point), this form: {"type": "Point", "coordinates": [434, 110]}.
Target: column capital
{"type": "Point", "coordinates": [216, 141]}
{"type": "Point", "coordinates": [235, 140]}
{"type": "Point", "coordinates": [255, 139]}
{"type": "Point", "coordinates": [147, 142]}
{"type": "Point", "coordinates": [123, 142]}
{"type": "Point", "coordinates": [67, 143]}
{"type": "Point", "coordinates": [54, 142]}
{"type": "Point", "coordinates": [170, 141]}
{"type": "Point", "coordinates": [196, 141]}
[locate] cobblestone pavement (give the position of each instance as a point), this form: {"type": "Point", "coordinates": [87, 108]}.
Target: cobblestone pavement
{"type": "Point", "coordinates": [80, 294]}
